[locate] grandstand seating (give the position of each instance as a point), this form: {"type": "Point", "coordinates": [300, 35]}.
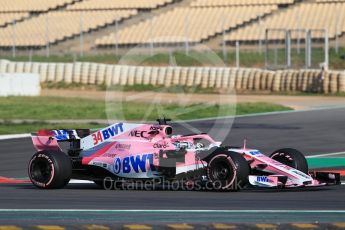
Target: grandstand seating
{"type": "Point", "coordinates": [213, 3]}
{"type": "Point", "coordinates": [201, 20]}
{"type": "Point", "coordinates": [58, 25]}
{"type": "Point", "coordinates": [196, 23]}
{"type": "Point", "coordinates": [314, 16]}
{"type": "Point", "coordinates": [118, 4]}
{"type": "Point", "coordinates": [6, 18]}
{"type": "Point", "coordinates": [31, 6]}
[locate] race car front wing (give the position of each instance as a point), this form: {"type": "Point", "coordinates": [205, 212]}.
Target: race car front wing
{"type": "Point", "coordinates": [318, 179]}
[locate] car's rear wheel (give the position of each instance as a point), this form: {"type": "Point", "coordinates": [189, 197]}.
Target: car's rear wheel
{"type": "Point", "coordinates": [291, 157]}
{"type": "Point", "coordinates": [50, 169]}
{"type": "Point", "coordinates": [228, 171]}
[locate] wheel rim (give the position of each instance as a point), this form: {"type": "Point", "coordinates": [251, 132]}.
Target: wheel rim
{"type": "Point", "coordinates": [41, 170]}
{"type": "Point", "coordinates": [222, 171]}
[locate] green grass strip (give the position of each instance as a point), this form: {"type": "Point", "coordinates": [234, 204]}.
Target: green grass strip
{"type": "Point", "coordinates": [55, 108]}
{"type": "Point", "coordinates": [326, 162]}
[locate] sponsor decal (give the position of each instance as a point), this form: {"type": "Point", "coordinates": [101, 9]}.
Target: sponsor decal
{"type": "Point", "coordinates": [135, 164]}
{"type": "Point", "coordinates": [61, 135]}
{"type": "Point", "coordinates": [263, 179]}
{"type": "Point", "coordinates": [161, 146]}
{"type": "Point", "coordinates": [300, 174]}
{"type": "Point", "coordinates": [255, 153]}
{"type": "Point", "coordinates": [106, 134]}
{"type": "Point", "coordinates": [136, 133]}
{"type": "Point", "coordinates": [111, 155]}
{"type": "Point", "coordinates": [155, 128]}
{"type": "Point", "coordinates": [122, 147]}
{"type": "Point", "coordinates": [100, 164]}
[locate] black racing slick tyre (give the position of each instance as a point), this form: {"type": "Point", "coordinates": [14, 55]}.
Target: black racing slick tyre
{"type": "Point", "coordinates": [291, 157]}
{"type": "Point", "coordinates": [228, 171]}
{"type": "Point", "coordinates": [50, 169]}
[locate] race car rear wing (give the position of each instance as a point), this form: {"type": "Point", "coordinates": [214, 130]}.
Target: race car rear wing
{"type": "Point", "coordinates": [65, 134]}
{"type": "Point", "coordinates": [48, 139]}
{"type": "Point", "coordinates": [80, 139]}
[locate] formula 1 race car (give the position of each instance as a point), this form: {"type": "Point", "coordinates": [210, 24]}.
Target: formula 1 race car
{"type": "Point", "coordinates": [150, 152]}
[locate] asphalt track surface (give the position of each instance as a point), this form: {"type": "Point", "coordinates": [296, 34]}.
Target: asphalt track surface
{"type": "Point", "coordinates": [312, 132]}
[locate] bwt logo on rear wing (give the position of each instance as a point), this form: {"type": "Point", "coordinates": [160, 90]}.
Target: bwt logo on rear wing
{"type": "Point", "coordinates": [106, 134]}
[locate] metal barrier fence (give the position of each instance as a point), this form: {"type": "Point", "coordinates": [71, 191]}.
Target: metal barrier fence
{"type": "Point", "coordinates": [296, 48]}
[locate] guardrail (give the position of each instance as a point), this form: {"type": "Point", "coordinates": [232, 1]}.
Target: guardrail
{"type": "Point", "coordinates": [239, 79]}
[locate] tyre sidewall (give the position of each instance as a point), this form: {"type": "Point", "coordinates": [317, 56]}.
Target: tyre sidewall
{"type": "Point", "coordinates": [239, 165]}
{"type": "Point", "coordinates": [217, 183]}
{"type": "Point", "coordinates": [299, 161]}
{"type": "Point", "coordinates": [242, 170]}
{"type": "Point", "coordinates": [61, 169]}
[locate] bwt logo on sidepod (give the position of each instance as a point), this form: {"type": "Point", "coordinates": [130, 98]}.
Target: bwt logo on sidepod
{"type": "Point", "coordinates": [105, 134]}
{"type": "Point", "coordinates": [133, 163]}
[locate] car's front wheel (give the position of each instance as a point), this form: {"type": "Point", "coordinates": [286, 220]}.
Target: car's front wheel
{"type": "Point", "coordinates": [228, 171]}
{"type": "Point", "coordinates": [291, 157]}
{"type": "Point", "coordinates": [50, 169]}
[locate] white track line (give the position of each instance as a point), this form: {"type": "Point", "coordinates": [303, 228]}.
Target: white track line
{"type": "Point", "coordinates": [173, 210]}
{"type": "Point", "coordinates": [80, 182]}
{"type": "Point", "coordinates": [14, 136]}
{"type": "Point", "coordinates": [326, 154]}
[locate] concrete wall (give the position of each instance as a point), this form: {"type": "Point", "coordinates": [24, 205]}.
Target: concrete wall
{"type": "Point", "coordinates": [23, 84]}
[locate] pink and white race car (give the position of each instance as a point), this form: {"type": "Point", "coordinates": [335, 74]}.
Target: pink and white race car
{"type": "Point", "coordinates": [126, 152]}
